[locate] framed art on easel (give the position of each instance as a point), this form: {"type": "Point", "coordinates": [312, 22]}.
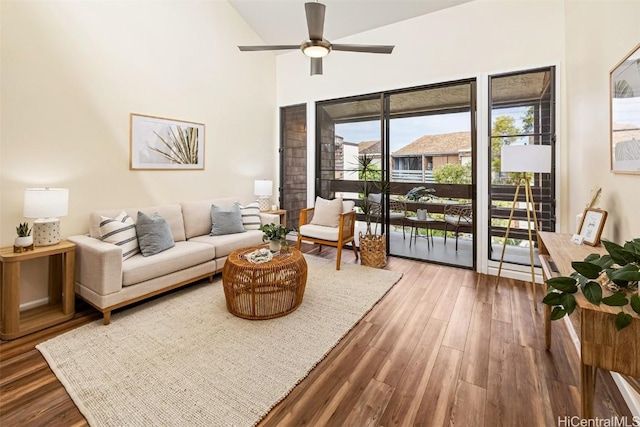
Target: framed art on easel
{"type": "Point", "coordinates": [591, 226]}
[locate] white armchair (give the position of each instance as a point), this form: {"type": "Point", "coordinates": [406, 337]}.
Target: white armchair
{"type": "Point", "coordinates": [331, 223]}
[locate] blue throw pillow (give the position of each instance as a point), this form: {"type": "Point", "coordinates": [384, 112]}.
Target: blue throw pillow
{"type": "Point", "coordinates": [154, 234]}
{"type": "Point", "coordinates": [226, 222]}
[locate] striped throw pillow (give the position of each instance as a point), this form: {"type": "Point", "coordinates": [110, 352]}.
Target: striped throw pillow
{"type": "Point", "coordinates": [251, 216]}
{"type": "Point", "coordinates": [120, 231]}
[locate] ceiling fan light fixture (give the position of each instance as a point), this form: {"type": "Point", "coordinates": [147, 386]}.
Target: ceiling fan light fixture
{"type": "Point", "coordinates": [316, 48]}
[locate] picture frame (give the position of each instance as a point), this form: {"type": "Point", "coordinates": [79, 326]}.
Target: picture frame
{"type": "Point", "coordinates": [624, 103]}
{"type": "Point", "coordinates": [158, 143]}
{"type": "Point", "coordinates": [591, 226]}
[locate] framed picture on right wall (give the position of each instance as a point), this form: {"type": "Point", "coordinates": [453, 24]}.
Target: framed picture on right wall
{"type": "Point", "coordinates": [591, 226]}
{"type": "Point", "coordinates": [625, 114]}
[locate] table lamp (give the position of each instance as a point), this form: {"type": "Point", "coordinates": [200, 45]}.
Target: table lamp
{"type": "Point", "coordinates": [263, 188]}
{"type": "Point", "coordinates": [45, 205]}
{"type": "Point", "coordinates": [524, 159]}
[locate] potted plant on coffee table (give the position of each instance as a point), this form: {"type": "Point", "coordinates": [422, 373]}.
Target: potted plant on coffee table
{"type": "Point", "coordinates": [276, 235]}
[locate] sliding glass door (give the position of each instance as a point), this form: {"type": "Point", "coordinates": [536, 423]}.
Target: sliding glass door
{"type": "Point", "coordinates": [421, 141]}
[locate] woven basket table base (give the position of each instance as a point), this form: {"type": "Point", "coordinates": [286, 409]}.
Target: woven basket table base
{"type": "Point", "coordinates": [265, 290]}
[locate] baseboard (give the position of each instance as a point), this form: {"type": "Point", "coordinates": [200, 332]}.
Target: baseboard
{"type": "Point", "coordinates": [631, 398]}
{"type": "Point", "coordinates": [516, 272]}
{"type": "Point", "coordinates": [34, 304]}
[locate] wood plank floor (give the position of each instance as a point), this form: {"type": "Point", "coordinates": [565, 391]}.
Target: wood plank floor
{"type": "Point", "coordinates": [441, 348]}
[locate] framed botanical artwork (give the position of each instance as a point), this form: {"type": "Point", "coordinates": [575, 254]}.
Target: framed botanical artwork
{"type": "Point", "coordinates": [165, 144]}
{"type": "Point", "coordinates": [625, 114]}
{"type": "Point", "coordinates": [591, 226]}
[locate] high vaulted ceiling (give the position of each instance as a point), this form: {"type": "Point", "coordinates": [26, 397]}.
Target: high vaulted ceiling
{"type": "Point", "coordinates": [284, 21]}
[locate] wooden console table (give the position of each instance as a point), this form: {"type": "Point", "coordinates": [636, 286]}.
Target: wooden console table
{"type": "Point", "coordinates": [601, 344]}
{"type": "Point", "coordinates": [61, 306]}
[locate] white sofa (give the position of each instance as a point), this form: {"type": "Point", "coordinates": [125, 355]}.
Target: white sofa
{"type": "Point", "coordinates": [107, 282]}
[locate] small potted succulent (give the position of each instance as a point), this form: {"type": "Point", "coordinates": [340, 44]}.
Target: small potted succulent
{"type": "Point", "coordinates": [24, 238]}
{"type": "Point", "coordinates": [276, 235]}
{"type": "Point", "coordinates": [420, 194]}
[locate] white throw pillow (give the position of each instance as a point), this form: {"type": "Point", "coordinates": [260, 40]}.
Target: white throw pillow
{"type": "Point", "coordinates": [327, 212]}
{"type": "Point", "coordinates": [251, 216]}
{"type": "Point", "coordinates": [120, 231]}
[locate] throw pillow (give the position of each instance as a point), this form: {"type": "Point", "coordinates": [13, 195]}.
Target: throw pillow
{"type": "Point", "coordinates": [327, 212]}
{"type": "Point", "coordinates": [251, 216]}
{"type": "Point", "coordinates": [226, 222]}
{"type": "Point", "coordinates": [120, 231]}
{"type": "Point", "coordinates": [154, 234]}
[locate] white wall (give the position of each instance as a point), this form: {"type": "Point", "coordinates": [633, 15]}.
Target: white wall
{"type": "Point", "coordinates": [598, 35]}
{"type": "Point", "coordinates": [72, 71]}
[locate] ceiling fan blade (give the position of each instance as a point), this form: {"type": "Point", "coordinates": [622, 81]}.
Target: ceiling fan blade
{"type": "Point", "coordinates": [363, 48]}
{"type": "Point", "coordinates": [316, 66]}
{"type": "Point", "coordinates": [315, 19]}
{"type": "Point", "coordinates": [273, 47]}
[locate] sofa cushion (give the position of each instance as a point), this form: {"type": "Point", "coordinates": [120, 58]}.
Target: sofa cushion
{"type": "Point", "coordinates": [197, 215]}
{"type": "Point", "coordinates": [226, 221]}
{"type": "Point", "coordinates": [154, 234]}
{"type": "Point", "coordinates": [171, 213]}
{"type": "Point", "coordinates": [327, 212]}
{"type": "Point", "coordinates": [251, 216]}
{"type": "Point", "coordinates": [120, 231]}
{"type": "Point", "coordinates": [183, 255]}
{"type": "Point", "coordinates": [228, 243]}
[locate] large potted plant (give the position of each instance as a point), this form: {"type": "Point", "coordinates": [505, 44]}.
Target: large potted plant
{"type": "Point", "coordinates": [618, 271]}
{"type": "Point", "coordinates": [373, 247]}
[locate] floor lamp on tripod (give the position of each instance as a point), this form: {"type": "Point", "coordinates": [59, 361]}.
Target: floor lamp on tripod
{"type": "Point", "coordinates": [524, 160]}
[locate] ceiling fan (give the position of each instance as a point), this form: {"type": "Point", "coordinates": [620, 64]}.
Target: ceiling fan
{"type": "Point", "coordinates": [316, 46]}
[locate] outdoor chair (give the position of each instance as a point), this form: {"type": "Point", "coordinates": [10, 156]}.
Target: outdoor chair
{"type": "Point", "coordinates": [457, 217]}
{"type": "Point", "coordinates": [324, 225]}
{"type": "Point", "coordinates": [397, 211]}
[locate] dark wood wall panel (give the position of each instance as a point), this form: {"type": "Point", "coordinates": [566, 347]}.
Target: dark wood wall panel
{"type": "Point", "coordinates": [293, 161]}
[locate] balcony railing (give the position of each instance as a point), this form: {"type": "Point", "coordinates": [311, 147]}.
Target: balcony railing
{"type": "Point", "coordinates": [398, 175]}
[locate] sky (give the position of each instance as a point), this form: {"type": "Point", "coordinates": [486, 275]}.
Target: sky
{"type": "Point", "coordinates": [406, 130]}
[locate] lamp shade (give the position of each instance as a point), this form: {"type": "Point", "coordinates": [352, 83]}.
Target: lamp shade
{"type": "Point", "coordinates": [263, 187]}
{"type": "Point", "coordinates": [526, 158]}
{"type": "Point", "coordinates": [45, 202]}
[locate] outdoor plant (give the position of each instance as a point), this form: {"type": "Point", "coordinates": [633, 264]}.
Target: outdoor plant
{"type": "Point", "coordinates": [416, 194]}
{"type": "Point", "coordinates": [275, 232]}
{"type": "Point", "coordinates": [23, 229]}
{"type": "Point", "coordinates": [619, 271]}
{"type": "Point", "coordinates": [180, 148]}
{"type": "Point", "coordinates": [371, 176]}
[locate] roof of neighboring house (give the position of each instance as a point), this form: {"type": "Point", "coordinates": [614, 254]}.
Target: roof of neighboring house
{"type": "Point", "coordinates": [369, 147]}
{"type": "Point", "coordinates": [444, 143]}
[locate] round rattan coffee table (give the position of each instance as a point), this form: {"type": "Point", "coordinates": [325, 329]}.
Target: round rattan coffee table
{"type": "Point", "coordinates": [265, 290]}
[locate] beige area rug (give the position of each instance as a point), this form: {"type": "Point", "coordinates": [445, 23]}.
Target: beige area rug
{"type": "Point", "coordinates": [183, 359]}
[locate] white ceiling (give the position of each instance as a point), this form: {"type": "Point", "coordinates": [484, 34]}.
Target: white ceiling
{"type": "Point", "coordinates": [284, 21]}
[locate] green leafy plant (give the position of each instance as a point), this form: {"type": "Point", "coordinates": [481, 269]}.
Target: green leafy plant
{"type": "Point", "coordinates": [417, 194]}
{"type": "Point", "coordinates": [371, 176]}
{"type": "Point", "coordinates": [180, 148]}
{"type": "Point", "coordinates": [619, 269]}
{"type": "Point", "coordinates": [23, 229]}
{"type": "Point", "coordinates": [276, 232]}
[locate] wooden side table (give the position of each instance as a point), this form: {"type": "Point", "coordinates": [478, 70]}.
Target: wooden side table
{"type": "Point", "coordinates": [281, 212]}
{"type": "Point", "coordinates": [61, 306]}
{"type": "Point", "coordinates": [601, 345]}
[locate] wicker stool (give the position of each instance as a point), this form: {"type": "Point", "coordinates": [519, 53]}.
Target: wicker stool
{"type": "Point", "coordinates": [266, 290]}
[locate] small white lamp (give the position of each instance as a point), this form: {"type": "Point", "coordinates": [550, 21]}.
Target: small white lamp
{"type": "Point", "coordinates": [524, 159]}
{"type": "Point", "coordinates": [45, 205]}
{"type": "Point", "coordinates": [263, 188]}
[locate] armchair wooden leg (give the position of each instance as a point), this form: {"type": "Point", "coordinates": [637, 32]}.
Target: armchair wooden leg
{"type": "Point", "coordinates": [338, 257]}
{"type": "Point", "coordinates": [299, 241]}
{"type": "Point", "coordinates": [355, 250]}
